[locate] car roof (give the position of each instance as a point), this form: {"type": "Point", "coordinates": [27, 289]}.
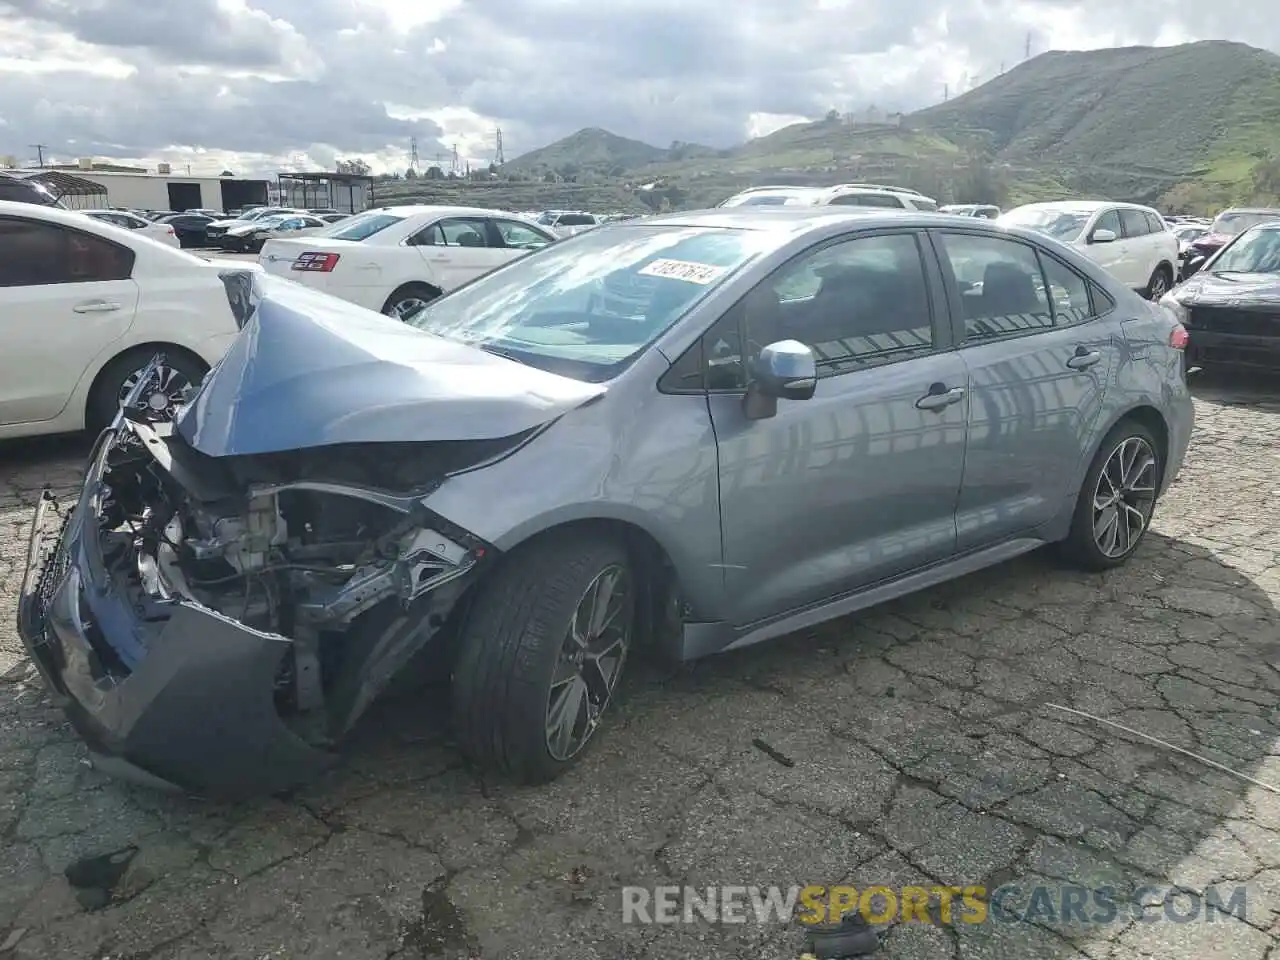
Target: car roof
{"type": "Point", "coordinates": [802, 219]}
{"type": "Point", "coordinates": [1250, 210]}
{"type": "Point", "coordinates": [1083, 206]}
{"type": "Point", "coordinates": [417, 209]}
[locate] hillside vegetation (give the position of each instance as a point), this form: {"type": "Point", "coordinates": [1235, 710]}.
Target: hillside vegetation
{"type": "Point", "coordinates": [1193, 128]}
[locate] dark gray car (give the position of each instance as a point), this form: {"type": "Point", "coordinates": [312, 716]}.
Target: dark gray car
{"type": "Point", "coordinates": [816, 410]}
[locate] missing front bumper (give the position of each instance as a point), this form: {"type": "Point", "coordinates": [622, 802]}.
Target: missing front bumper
{"type": "Point", "coordinates": [196, 713]}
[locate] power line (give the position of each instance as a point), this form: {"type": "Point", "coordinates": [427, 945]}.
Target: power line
{"type": "Point", "coordinates": [39, 148]}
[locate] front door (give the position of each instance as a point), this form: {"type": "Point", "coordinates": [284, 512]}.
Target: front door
{"type": "Point", "coordinates": [1038, 369]}
{"type": "Point", "coordinates": [859, 483]}
{"type": "Point", "coordinates": [1114, 256]}
{"type": "Point", "coordinates": [460, 249]}
{"type": "Point", "coordinates": [65, 296]}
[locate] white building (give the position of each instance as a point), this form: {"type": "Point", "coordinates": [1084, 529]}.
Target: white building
{"type": "Point", "coordinates": [166, 191]}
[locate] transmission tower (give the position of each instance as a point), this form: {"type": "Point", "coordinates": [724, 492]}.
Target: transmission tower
{"type": "Point", "coordinates": [454, 166]}
{"type": "Point", "coordinates": [499, 158]}
{"type": "Point", "coordinates": [413, 154]}
{"type": "Point", "coordinates": [1027, 49]}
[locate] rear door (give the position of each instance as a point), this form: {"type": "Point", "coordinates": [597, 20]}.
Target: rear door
{"type": "Point", "coordinates": [1038, 366]}
{"type": "Point", "coordinates": [1142, 247]}
{"type": "Point", "coordinates": [65, 297]}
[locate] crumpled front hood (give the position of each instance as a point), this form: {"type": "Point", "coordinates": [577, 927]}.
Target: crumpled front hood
{"type": "Point", "coordinates": [1245, 290]}
{"type": "Point", "coordinates": [310, 370]}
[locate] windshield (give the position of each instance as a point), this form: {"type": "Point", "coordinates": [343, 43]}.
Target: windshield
{"type": "Point", "coordinates": [1064, 225]}
{"type": "Point", "coordinates": [1232, 224]}
{"type": "Point", "coordinates": [547, 218]}
{"type": "Point", "coordinates": [361, 227]}
{"type": "Point", "coordinates": [1190, 233]}
{"type": "Point", "coordinates": [589, 305]}
{"type": "Point", "coordinates": [1257, 251]}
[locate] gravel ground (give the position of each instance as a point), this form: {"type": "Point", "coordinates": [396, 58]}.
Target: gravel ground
{"type": "Point", "coordinates": [921, 747]}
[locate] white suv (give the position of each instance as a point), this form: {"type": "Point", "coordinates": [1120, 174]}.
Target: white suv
{"type": "Point", "coordinates": [1131, 242]}
{"type": "Point", "coordinates": [876, 195]}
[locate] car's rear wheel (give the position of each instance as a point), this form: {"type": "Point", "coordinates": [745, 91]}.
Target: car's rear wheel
{"type": "Point", "coordinates": [1118, 497]}
{"type": "Point", "coordinates": [1161, 282]}
{"type": "Point", "coordinates": [179, 372]}
{"type": "Point", "coordinates": [409, 299]}
{"type": "Point", "coordinates": [541, 653]}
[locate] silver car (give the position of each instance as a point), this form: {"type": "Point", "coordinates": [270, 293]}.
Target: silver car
{"type": "Point", "coordinates": [817, 410]}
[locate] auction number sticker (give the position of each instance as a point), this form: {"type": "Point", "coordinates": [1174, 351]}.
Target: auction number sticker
{"type": "Point", "coordinates": [700, 273]}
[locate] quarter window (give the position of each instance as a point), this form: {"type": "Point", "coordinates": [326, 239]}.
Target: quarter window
{"type": "Point", "coordinates": [1068, 294]}
{"type": "Point", "coordinates": [34, 253]}
{"type": "Point", "coordinates": [1001, 287]}
{"type": "Point", "coordinates": [856, 303]}
{"type": "Point", "coordinates": [1154, 223]}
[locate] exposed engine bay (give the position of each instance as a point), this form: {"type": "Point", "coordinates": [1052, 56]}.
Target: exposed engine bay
{"type": "Point", "coordinates": [356, 576]}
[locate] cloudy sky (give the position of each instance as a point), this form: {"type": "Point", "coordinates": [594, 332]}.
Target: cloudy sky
{"type": "Point", "coordinates": [263, 85]}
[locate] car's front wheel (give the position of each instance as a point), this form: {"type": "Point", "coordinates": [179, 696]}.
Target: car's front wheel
{"type": "Point", "coordinates": [541, 654]}
{"type": "Point", "coordinates": [1117, 499]}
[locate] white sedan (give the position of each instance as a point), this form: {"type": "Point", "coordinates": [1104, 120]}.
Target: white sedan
{"type": "Point", "coordinates": [397, 259]}
{"type": "Point", "coordinates": [250, 237]}
{"type": "Point", "coordinates": [131, 221]}
{"type": "Point", "coordinates": [86, 305]}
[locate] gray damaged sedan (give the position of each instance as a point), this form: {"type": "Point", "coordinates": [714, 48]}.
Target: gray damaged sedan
{"type": "Point", "coordinates": [690, 433]}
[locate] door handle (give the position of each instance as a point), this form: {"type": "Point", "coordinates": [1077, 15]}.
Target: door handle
{"type": "Point", "coordinates": [439, 258]}
{"type": "Point", "coordinates": [1084, 359]}
{"type": "Point", "coordinates": [96, 306]}
{"type": "Point", "coordinates": [940, 397]}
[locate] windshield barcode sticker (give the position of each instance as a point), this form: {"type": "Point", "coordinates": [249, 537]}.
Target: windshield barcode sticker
{"type": "Point", "coordinates": [700, 273]}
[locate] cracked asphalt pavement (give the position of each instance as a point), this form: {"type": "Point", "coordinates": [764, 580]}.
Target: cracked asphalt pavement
{"type": "Point", "coordinates": [922, 748]}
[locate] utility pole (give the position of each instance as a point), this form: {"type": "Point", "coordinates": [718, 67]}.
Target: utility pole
{"type": "Point", "coordinates": [454, 166]}
{"type": "Point", "coordinates": [946, 92]}
{"type": "Point", "coordinates": [1027, 50]}
{"type": "Point", "coordinates": [499, 157]}
{"type": "Point", "coordinates": [39, 148]}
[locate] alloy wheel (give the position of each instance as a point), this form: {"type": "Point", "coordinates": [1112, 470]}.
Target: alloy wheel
{"type": "Point", "coordinates": [1125, 497]}
{"type": "Point", "coordinates": [1159, 286]}
{"type": "Point", "coordinates": [166, 390]}
{"type": "Point", "coordinates": [590, 662]}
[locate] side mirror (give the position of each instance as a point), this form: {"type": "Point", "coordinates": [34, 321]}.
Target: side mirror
{"type": "Point", "coordinates": [785, 370]}
{"type": "Point", "coordinates": [1102, 235]}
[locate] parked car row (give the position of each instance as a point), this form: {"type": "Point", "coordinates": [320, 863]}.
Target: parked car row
{"type": "Point", "coordinates": [785, 416]}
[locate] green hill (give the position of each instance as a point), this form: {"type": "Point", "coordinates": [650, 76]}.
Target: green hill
{"type": "Point", "coordinates": [589, 150]}
{"type": "Point", "coordinates": [1193, 127]}
{"type": "Point", "coordinates": [1195, 120]}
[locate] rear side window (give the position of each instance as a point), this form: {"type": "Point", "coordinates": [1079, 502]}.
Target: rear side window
{"type": "Point", "coordinates": [1135, 223]}
{"type": "Point", "coordinates": [1154, 222]}
{"type": "Point", "coordinates": [34, 253]}
{"type": "Point", "coordinates": [361, 228]}
{"type": "Point", "coordinates": [1001, 287]}
{"type": "Point", "coordinates": [866, 200]}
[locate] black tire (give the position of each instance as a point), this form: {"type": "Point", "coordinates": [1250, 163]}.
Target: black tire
{"type": "Point", "coordinates": [1081, 548]}
{"type": "Point", "coordinates": [509, 648]}
{"type": "Point", "coordinates": [104, 398]}
{"type": "Point", "coordinates": [422, 292]}
{"type": "Point", "coordinates": [1161, 282]}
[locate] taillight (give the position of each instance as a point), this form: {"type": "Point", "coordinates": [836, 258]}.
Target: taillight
{"type": "Point", "coordinates": [1178, 337]}
{"type": "Point", "coordinates": [169, 231]}
{"type": "Point", "coordinates": [315, 262]}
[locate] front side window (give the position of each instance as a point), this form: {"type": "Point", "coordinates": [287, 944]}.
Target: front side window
{"type": "Point", "coordinates": [34, 253]}
{"type": "Point", "coordinates": [521, 236]}
{"type": "Point", "coordinates": [1109, 221]}
{"type": "Point", "coordinates": [856, 303]}
{"type": "Point", "coordinates": [1001, 287]}
{"type": "Point", "coordinates": [457, 233]}
{"type": "Point", "coordinates": [587, 306]}
{"type": "Point", "coordinates": [1056, 222]}
{"type": "Point", "coordinates": [1134, 223]}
